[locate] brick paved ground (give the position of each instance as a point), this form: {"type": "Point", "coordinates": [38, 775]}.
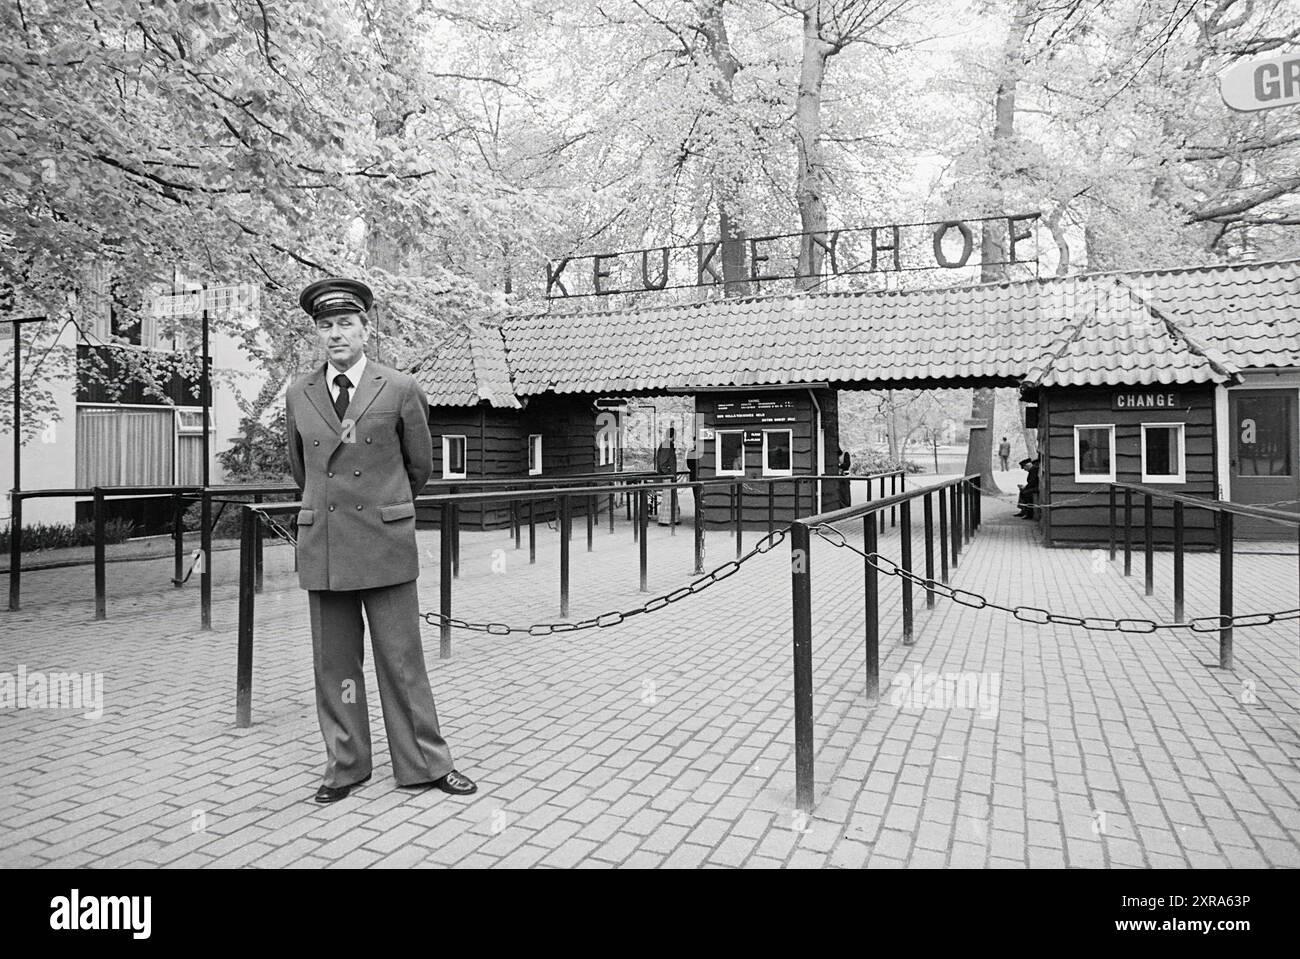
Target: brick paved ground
{"type": "Point", "coordinates": [669, 740]}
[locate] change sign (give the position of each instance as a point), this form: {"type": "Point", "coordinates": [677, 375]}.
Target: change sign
{"type": "Point", "coordinates": [1262, 83]}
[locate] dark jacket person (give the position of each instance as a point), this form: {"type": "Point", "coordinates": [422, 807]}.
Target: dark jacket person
{"type": "Point", "coordinates": [360, 451]}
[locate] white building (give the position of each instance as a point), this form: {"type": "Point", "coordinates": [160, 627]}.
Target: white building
{"type": "Point", "coordinates": [134, 439]}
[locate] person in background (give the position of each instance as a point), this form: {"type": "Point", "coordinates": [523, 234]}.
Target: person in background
{"type": "Point", "coordinates": [1028, 499]}
{"type": "Point", "coordinates": [693, 461]}
{"type": "Point", "coordinates": [1004, 453]}
{"type": "Point", "coordinates": [666, 465]}
{"type": "Point", "coordinates": [846, 488]}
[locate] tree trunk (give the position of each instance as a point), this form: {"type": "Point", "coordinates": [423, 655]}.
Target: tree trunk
{"type": "Point", "coordinates": [730, 214]}
{"type": "Point", "coordinates": [979, 450]}
{"type": "Point", "coordinates": [808, 132]}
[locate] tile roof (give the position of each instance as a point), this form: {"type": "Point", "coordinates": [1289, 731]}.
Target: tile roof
{"type": "Point", "coordinates": [1249, 312]}
{"type": "Point", "coordinates": [1120, 339]}
{"type": "Point", "coordinates": [979, 332]}
{"type": "Point", "coordinates": [469, 368]}
{"type": "Point", "coordinates": [1155, 326]}
{"type": "Point", "coordinates": [1149, 326]}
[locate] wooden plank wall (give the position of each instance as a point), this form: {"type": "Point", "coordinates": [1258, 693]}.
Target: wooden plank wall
{"type": "Point", "coordinates": [496, 446]}
{"type": "Point", "coordinates": [1082, 519]}
{"type": "Point", "coordinates": [717, 504]}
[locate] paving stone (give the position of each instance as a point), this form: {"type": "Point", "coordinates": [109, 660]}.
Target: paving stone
{"type": "Point", "coordinates": [1118, 750]}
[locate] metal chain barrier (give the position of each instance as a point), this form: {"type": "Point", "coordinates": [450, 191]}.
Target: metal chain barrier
{"type": "Point", "coordinates": [1014, 500]}
{"type": "Point", "coordinates": [1043, 617]}
{"type": "Point", "coordinates": [277, 529]}
{"type": "Point", "coordinates": [614, 617]}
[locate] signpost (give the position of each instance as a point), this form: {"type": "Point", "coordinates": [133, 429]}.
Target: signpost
{"type": "Point", "coordinates": [15, 508]}
{"type": "Point", "coordinates": [1262, 83]}
{"type": "Point", "coordinates": [883, 250]}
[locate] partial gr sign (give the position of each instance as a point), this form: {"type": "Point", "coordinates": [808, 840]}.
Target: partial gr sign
{"type": "Point", "coordinates": [1262, 83]}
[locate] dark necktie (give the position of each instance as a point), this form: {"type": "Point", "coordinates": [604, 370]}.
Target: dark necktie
{"type": "Point", "coordinates": [341, 401]}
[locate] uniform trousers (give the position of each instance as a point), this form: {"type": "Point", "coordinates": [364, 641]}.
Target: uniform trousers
{"type": "Point", "coordinates": [418, 751]}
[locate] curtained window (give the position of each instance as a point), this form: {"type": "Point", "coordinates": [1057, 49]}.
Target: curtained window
{"type": "Point", "coordinates": [128, 446]}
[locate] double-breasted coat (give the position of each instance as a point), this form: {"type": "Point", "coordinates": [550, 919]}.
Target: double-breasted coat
{"type": "Point", "coordinates": [356, 528]}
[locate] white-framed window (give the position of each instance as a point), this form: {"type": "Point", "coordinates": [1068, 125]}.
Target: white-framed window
{"type": "Point", "coordinates": [1094, 453]}
{"type": "Point", "coordinates": [777, 446]}
{"type": "Point", "coordinates": [453, 457]}
{"type": "Point", "coordinates": [1164, 453]}
{"type": "Point", "coordinates": [534, 454]}
{"type": "Point", "coordinates": [729, 453]}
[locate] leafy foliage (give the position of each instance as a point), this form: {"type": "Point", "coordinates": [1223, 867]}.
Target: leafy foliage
{"type": "Point", "coordinates": [59, 535]}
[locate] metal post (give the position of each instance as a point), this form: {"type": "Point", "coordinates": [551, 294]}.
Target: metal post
{"type": "Point", "coordinates": [205, 387]}
{"type": "Point", "coordinates": [905, 533]}
{"type": "Point", "coordinates": [1112, 523]}
{"type": "Point", "coordinates": [1149, 572]}
{"type": "Point", "coordinates": [801, 583]}
{"type": "Point", "coordinates": [15, 549]}
{"type": "Point", "coordinates": [955, 495]}
{"type": "Point", "coordinates": [739, 494]}
{"type": "Point", "coordinates": [771, 506]}
{"type": "Point", "coordinates": [1225, 590]}
{"type": "Point", "coordinates": [101, 585]}
{"type": "Point", "coordinates": [928, 511]}
{"type": "Point", "coordinates": [635, 504]}
{"type": "Point", "coordinates": [249, 534]}
{"type": "Point", "coordinates": [943, 536]}
{"type": "Point", "coordinates": [257, 551]}
{"type": "Point", "coordinates": [532, 534]}
{"type": "Point", "coordinates": [444, 580]}
{"type": "Point", "coordinates": [1128, 532]}
{"type": "Point", "coordinates": [798, 486]}
{"type": "Point", "coordinates": [871, 597]}
{"type": "Point", "coordinates": [893, 488]}
{"type": "Point", "coordinates": [514, 522]}
{"type": "Point", "coordinates": [672, 510]}
{"type": "Point", "coordinates": [455, 540]}
{"type": "Point", "coordinates": [591, 521]}
{"type": "Point", "coordinates": [18, 408]}
{"type": "Point", "coordinates": [882, 496]}
{"type": "Point", "coordinates": [966, 511]}
{"type": "Point", "coordinates": [565, 523]}
{"type": "Point", "coordinates": [698, 492]}
{"type": "Point", "coordinates": [641, 510]}
{"type": "Point", "coordinates": [205, 557]}
{"type": "Point", "coordinates": [1179, 605]}
{"type": "Point", "coordinates": [611, 512]}
{"type": "Point", "coordinates": [178, 540]}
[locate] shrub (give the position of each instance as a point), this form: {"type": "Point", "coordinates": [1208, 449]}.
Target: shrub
{"type": "Point", "coordinates": [61, 535]}
{"type": "Point", "coordinates": [864, 461]}
{"type": "Point", "coordinates": [227, 520]}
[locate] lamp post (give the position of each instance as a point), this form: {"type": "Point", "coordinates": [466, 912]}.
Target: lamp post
{"type": "Point", "coordinates": [16, 512]}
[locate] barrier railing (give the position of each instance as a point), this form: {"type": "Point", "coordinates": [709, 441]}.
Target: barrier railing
{"type": "Point", "coordinates": [220, 496]}
{"type": "Point", "coordinates": [1223, 513]}
{"type": "Point", "coordinates": [179, 494]}
{"type": "Point", "coordinates": [638, 492]}
{"type": "Point", "coordinates": [958, 499]}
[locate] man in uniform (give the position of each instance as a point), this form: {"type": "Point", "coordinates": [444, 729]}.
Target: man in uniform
{"type": "Point", "coordinates": [360, 451]}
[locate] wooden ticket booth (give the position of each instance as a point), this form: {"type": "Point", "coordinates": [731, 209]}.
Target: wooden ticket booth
{"type": "Point", "coordinates": [763, 438]}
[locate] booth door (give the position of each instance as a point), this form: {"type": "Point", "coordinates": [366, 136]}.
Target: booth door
{"type": "Point", "coordinates": [1262, 466]}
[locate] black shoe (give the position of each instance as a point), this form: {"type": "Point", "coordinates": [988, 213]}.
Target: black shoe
{"type": "Point", "coordinates": [327, 794]}
{"type": "Point", "coordinates": [458, 784]}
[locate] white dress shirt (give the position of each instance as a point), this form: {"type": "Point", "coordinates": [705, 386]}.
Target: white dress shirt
{"type": "Point", "coordinates": [353, 373]}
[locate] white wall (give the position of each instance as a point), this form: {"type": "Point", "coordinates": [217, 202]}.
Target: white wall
{"type": "Point", "coordinates": [49, 460]}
